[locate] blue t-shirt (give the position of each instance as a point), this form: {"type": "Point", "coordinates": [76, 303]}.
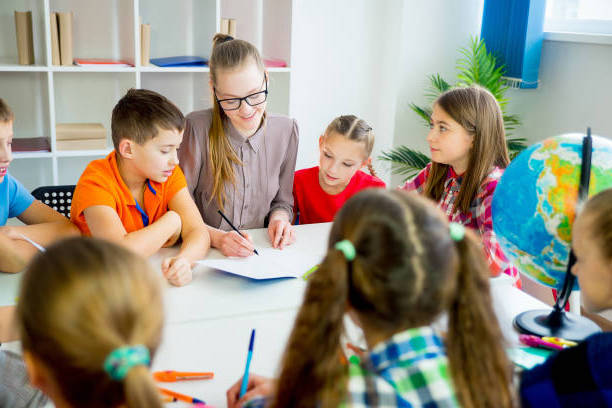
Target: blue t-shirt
{"type": "Point", "coordinates": [14, 198]}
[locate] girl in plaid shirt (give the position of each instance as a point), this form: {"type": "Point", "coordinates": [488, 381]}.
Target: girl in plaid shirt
{"type": "Point", "coordinates": [394, 264]}
{"type": "Point", "coordinates": [468, 157]}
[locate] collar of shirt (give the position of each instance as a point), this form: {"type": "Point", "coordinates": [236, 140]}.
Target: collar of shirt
{"type": "Point", "coordinates": [126, 191]}
{"type": "Point", "coordinates": [255, 141]}
{"type": "Point", "coordinates": [408, 346]}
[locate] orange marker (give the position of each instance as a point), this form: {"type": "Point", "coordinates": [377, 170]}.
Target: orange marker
{"type": "Point", "coordinates": [180, 397]}
{"type": "Point", "coordinates": [172, 376]}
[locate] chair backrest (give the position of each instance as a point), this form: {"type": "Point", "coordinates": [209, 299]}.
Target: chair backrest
{"type": "Point", "coordinates": [57, 197]}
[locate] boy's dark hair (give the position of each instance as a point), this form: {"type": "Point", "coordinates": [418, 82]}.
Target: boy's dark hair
{"type": "Point", "coordinates": [140, 113]}
{"type": "Point", "coordinates": [6, 114]}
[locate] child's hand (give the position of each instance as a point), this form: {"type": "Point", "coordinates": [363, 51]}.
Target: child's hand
{"type": "Point", "coordinates": [177, 270]}
{"type": "Point", "coordinates": [176, 221]}
{"type": "Point", "coordinates": [257, 386]}
{"type": "Point", "coordinates": [281, 233]}
{"type": "Point", "coordinates": [232, 244]}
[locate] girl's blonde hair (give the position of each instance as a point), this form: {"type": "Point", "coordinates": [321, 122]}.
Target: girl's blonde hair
{"type": "Point", "coordinates": [478, 112]}
{"type": "Point", "coordinates": [407, 272]}
{"type": "Point", "coordinates": [82, 299]}
{"type": "Point", "coordinates": [227, 53]}
{"type": "Point", "coordinates": [598, 212]}
{"type": "Point", "coordinates": [355, 129]}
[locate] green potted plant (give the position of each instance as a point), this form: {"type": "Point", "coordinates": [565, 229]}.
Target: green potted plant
{"type": "Point", "coordinates": [475, 66]}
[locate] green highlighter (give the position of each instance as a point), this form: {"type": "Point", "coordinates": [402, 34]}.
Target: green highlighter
{"type": "Point", "coordinates": [306, 275]}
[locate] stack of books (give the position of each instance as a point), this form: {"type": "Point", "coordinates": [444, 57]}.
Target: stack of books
{"type": "Point", "coordinates": [30, 144]}
{"type": "Point", "coordinates": [80, 136]}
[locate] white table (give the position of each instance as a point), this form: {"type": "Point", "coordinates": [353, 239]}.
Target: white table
{"type": "Point", "coordinates": [208, 322]}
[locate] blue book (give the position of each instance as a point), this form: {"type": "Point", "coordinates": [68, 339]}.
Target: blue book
{"type": "Point", "coordinates": [180, 61]}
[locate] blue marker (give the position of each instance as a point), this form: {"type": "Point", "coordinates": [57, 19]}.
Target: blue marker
{"type": "Point", "coordinates": [245, 377]}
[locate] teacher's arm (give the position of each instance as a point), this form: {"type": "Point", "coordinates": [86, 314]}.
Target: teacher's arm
{"type": "Point", "coordinates": [280, 230]}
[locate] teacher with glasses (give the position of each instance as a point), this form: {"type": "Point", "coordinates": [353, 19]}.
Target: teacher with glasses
{"type": "Point", "coordinates": [238, 159]}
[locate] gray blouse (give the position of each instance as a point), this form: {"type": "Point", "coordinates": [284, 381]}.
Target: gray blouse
{"type": "Point", "coordinates": [263, 184]}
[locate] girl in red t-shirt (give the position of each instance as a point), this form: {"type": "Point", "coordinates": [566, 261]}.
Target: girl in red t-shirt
{"type": "Point", "coordinates": [345, 148]}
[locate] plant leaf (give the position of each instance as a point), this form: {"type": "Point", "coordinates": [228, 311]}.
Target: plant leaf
{"type": "Point", "coordinates": [405, 161]}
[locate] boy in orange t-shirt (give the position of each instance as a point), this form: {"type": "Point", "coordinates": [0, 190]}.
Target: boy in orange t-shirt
{"type": "Point", "coordinates": [137, 195]}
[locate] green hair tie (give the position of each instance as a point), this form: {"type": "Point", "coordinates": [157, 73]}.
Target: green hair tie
{"type": "Point", "coordinates": [122, 359]}
{"type": "Point", "coordinates": [347, 248]}
{"type": "Point", "coordinates": [457, 231]}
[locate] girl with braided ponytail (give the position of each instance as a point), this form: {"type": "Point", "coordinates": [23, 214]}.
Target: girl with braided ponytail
{"type": "Point", "coordinates": [344, 149]}
{"type": "Point", "coordinates": [395, 265]}
{"type": "Point", "coordinates": [90, 319]}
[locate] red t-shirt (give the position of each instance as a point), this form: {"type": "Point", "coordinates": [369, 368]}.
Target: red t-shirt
{"type": "Point", "coordinates": [315, 205]}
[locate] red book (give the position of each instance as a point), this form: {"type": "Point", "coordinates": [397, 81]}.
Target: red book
{"type": "Point", "coordinates": [84, 62]}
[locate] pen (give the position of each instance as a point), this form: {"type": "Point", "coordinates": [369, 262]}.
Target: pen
{"type": "Point", "coordinates": [535, 341]}
{"type": "Point", "coordinates": [171, 376]}
{"type": "Point", "coordinates": [179, 396]}
{"type": "Point", "coordinates": [234, 228]}
{"type": "Point", "coordinates": [245, 377]}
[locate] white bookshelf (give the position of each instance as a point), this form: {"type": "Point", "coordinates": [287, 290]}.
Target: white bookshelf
{"type": "Point", "coordinates": [42, 95]}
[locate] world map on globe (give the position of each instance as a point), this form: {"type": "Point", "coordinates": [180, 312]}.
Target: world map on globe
{"type": "Point", "coordinates": [534, 204]}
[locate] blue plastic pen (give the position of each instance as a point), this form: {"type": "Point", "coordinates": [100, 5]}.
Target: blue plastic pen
{"type": "Point", "coordinates": [245, 377]}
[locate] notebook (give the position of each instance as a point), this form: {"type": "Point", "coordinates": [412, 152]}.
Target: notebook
{"type": "Point", "coordinates": [180, 61]}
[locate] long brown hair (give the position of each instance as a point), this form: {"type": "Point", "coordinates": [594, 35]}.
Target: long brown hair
{"type": "Point", "coordinates": [79, 301]}
{"type": "Point", "coordinates": [227, 53]}
{"type": "Point", "coordinates": [407, 271]}
{"type": "Point", "coordinates": [478, 112]}
{"type": "Point", "coordinates": [598, 211]}
{"type": "Point", "coordinates": [355, 129]}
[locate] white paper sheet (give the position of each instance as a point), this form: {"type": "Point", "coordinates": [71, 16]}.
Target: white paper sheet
{"type": "Point", "coordinates": [269, 264]}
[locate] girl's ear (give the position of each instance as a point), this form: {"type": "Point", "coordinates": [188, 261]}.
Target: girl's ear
{"type": "Point", "coordinates": [211, 86]}
{"type": "Point", "coordinates": [126, 148]}
{"type": "Point", "coordinates": [321, 141]}
{"type": "Point", "coordinates": [366, 162]}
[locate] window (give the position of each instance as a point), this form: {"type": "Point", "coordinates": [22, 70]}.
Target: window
{"type": "Point", "coordinates": [579, 16]}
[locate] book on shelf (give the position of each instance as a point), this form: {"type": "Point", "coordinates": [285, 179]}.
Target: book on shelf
{"type": "Point", "coordinates": [145, 44]}
{"type": "Point", "coordinates": [274, 63]}
{"type": "Point", "coordinates": [31, 144]}
{"type": "Point", "coordinates": [65, 37]}
{"type": "Point", "coordinates": [224, 26]}
{"type": "Point", "coordinates": [55, 46]}
{"type": "Point", "coordinates": [231, 29]}
{"type": "Point", "coordinates": [25, 38]}
{"type": "Point", "coordinates": [81, 144]}
{"type": "Point", "coordinates": [96, 62]}
{"type": "Point", "coordinates": [80, 131]}
{"type": "Point", "coordinates": [180, 61]}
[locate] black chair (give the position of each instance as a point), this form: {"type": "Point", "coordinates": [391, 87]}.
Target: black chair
{"type": "Point", "coordinates": [57, 197]}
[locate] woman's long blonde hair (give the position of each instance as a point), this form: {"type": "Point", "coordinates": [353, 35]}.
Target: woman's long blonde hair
{"type": "Point", "coordinates": [478, 112]}
{"type": "Point", "coordinates": [407, 271]}
{"type": "Point", "coordinates": [82, 299]}
{"type": "Point", "coordinates": [227, 53]}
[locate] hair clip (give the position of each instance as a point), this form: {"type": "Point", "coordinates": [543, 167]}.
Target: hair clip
{"type": "Point", "coordinates": [347, 248]}
{"type": "Point", "coordinates": [457, 231]}
{"type": "Point", "coordinates": [119, 361]}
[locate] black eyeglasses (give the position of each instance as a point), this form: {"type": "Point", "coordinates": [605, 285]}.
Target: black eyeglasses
{"type": "Point", "coordinates": [253, 99]}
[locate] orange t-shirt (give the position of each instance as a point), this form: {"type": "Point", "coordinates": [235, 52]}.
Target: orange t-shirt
{"type": "Point", "coordinates": [101, 184]}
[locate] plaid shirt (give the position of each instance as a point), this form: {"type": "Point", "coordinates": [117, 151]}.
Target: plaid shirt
{"type": "Point", "coordinates": [478, 216]}
{"type": "Point", "coordinates": [408, 370]}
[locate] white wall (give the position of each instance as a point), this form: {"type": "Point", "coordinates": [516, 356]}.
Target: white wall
{"type": "Point", "coordinates": [574, 92]}
{"type": "Point", "coordinates": [432, 33]}
{"type": "Point", "coordinates": [345, 61]}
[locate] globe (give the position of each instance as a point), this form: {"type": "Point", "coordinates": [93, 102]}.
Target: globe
{"type": "Point", "coordinates": [534, 204]}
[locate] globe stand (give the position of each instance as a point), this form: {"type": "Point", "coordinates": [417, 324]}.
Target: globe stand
{"type": "Point", "coordinates": [559, 323]}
